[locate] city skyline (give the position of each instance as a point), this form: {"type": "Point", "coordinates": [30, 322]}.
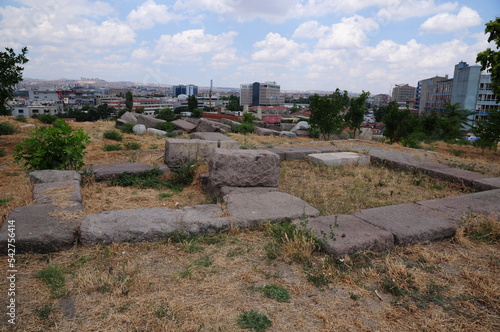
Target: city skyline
{"type": "Point", "coordinates": [302, 45]}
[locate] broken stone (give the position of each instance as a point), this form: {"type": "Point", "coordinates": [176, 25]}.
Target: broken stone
{"type": "Point", "coordinates": [49, 175]}
{"type": "Point", "coordinates": [139, 129]}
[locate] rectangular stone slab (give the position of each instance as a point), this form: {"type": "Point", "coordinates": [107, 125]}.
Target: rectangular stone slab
{"type": "Point", "coordinates": [486, 202]}
{"type": "Point", "coordinates": [109, 171]}
{"type": "Point", "coordinates": [44, 193]}
{"type": "Point", "coordinates": [337, 159]}
{"type": "Point", "coordinates": [351, 234]}
{"type": "Point", "coordinates": [410, 223]}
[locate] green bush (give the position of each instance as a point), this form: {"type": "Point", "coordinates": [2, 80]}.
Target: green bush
{"type": "Point", "coordinates": [244, 128]}
{"type": "Point", "coordinates": [56, 147]}
{"type": "Point", "coordinates": [20, 118]}
{"type": "Point", "coordinates": [7, 128]}
{"type": "Point", "coordinates": [113, 134]}
{"type": "Point", "coordinates": [46, 118]}
{"type": "Point", "coordinates": [127, 128]}
{"type": "Point", "coordinates": [165, 126]}
{"type": "Point", "coordinates": [252, 320]}
{"type": "Point", "coordinates": [112, 147]}
{"type": "Point", "coordinates": [132, 145]}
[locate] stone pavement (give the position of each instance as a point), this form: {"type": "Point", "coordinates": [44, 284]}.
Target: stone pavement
{"type": "Point", "coordinates": [43, 227]}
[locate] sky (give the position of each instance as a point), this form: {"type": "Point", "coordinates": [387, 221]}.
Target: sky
{"type": "Point", "coordinates": [354, 45]}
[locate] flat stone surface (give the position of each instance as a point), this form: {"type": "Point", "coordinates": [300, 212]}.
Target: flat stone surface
{"type": "Point", "coordinates": [223, 141]}
{"type": "Point", "coordinates": [149, 121]}
{"type": "Point", "coordinates": [179, 151]}
{"type": "Point", "coordinates": [457, 207]}
{"type": "Point", "coordinates": [48, 193]}
{"type": "Point", "coordinates": [37, 231]}
{"type": "Point", "coordinates": [456, 175]}
{"type": "Point", "coordinates": [109, 171]}
{"type": "Point", "coordinates": [327, 149]}
{"type": "Point", "coordinates": [128, 117]}
{"type": "Point", "coordinates": [266, 132]}
{"type": "Point", "coordinates": [410, 223]}
{"type": "Point", "coordinates": [157, 132]}
{"type": "Point", "coordinates": [251, 209]}
{"type": "Point", "coordinates": [289, 134]}
{"type": "Point", "coordinates": [336, 159]}
{"type": "Point", "coordinates": [350, 235]}
{"type": "Point", "coordinates": [243, 168]}
{"type": "Point", "coordinates": [153, 224]}
{"type": "Point", "coordinates": [46, 176]}
{"type": "Point", "coordinates": [298, 152]}
{"type": "Point", "coordinates": [487, 184]}
{"type": "Point", "coordinates": [205, 125]}
{"type": "Point", "coordinates": [184, 125]}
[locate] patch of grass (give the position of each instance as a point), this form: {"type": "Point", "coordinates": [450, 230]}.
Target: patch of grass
{"type": "Point", "coordinates": [112, 147]}
{"type": "Point", "coordinates": [276, 292]}
{"type": "Point", "coordinates": [7, 128]}
{"type": "Point", "coordinates": [2, 152]}
{"type": "Point", "coordinates": [481, 228]}
{"type": "Point", "coordinates": [45, 311]}
{"type": "Point", "coordinates": [192, 247]}
{"type": "Point", "coordinates": [127, 128]}
{"type": "Point", "coordinates": [164, 195]}
{"type": "Point", "coordinates": [46, 118]}
{"type": "Point", "coordinates": [204, 261]}
{"type": "Point", "coordinates": [54, 277]}
{"type": "Point", "coordinates": [20, 118]}
{"type": "Point", "coordinates": [291, 242]}
{"type": "Point", "coordinates": [113, 135]}
{"type": "Point", "coordinates": [318, 278]}
{"type": "Point", "coordinates": [456, 152]}
{"type": "Point", "coordinates": [153, 147]}
{"type": "Point", "coordinates": [254, 321]}
{"type": "Point", "coordinates": [132, 145]}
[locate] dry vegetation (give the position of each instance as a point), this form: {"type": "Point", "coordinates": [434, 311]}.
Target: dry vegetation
{"type": "Point", "coordinates": [204, 283]}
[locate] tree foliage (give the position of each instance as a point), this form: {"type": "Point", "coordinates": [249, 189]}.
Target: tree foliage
{"type": "Point", "coordinates": [327, 112]}
{"type": "Point", "coordinates": [356, 114]}
{"type": "Point", "coordinates": [490, 59]}
{"type": "Point", "coordinates": [192, 103]}
{"type": "Point", "coordinates": [166, 114]}
{"type": "Point", "coordinates": [399, 123]}
{"type": "Point", "coordinates": [11, 73]}
{"type": "Point", "coordinates": [55, 147]}
{"type": "Point", "coordinates": [129, 101]}
{"type": "Point", "coordinates": [488, 131]}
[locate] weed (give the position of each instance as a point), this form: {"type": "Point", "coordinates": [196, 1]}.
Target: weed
{"type": "Point", "coordinates": [53, 277]}
{"type": "Point", "coordinates": [113, 135]}
{"type": "Point", "coordinates": [252, 320]}
{"type": "Point", "coordinates": [318, 279]}
{"type": "Point", "coordinates": [184, 175]}
{"type": "Point", "coordinates": [6, 128]}
{"type": "Point", "coordinates": [146, 179]}
{"type": "Point", "coordinates": [45, 311]}
{"type": "Point", "coordinates": [235, 252]}
{"type": "Point", "coordinates": [482, 228]}
{"type": "Point", "coordinates": [46, 118]}
{"type": "Point", "coordinates": [437, 187]}
{"type": "Point", "coordinates": [164, 195]}
{"type": "Point", "coordinates": [103, 289]}
{"type": "Point", "coordinates": [4, 201]}
{"type": "Point", "coordinates": [153, 147]}
{"type": "Point", "coordinates": [20, 118]}
{"type": "Point", "coordinates": [186, 273]}
{"type": "Point", "coordinates": [456, 152]}
{"type": "Point", "coordinates": [164, 312]}
{"type": "Point", "coordinates": [127, 128]}
{"type": "Point", "coordinates": [112, 147]}
{"type": "Point", "coordinates": [276, 292]}
{"type": "Point", "coordinates": [132, 145]}
{"type": "Point", "coordinates": [192, 247]}
{"type": "Point", "coordinates": [2, 152]}
{"type": "Point", "coordinates": [204, 261]}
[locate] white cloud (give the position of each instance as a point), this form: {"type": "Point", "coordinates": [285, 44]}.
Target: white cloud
{"type": "Point", "coordinates": [446, 22]}
{"type": "Point", "coordinates": [400, 10]}
{"type": "Point", "coordinates": [275, 48]}
{"type": "Point", "coordinates": [351, 32]}
{"type": "Point", "coordinates": [150, 13]}
{"type": "Point", "coordinates": [310, 29]}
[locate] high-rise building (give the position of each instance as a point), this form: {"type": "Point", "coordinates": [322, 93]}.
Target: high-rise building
{"type": "Point", "coordinates": [402, 93]}
{"type": "Point", "coordinates": [189, 90]}
{"type": "Point", "coordinates": [261, 94]}
{"type": "Point", "coordinates": [433, 93]}
{"type": "Point", "coordinates": [381, 100]}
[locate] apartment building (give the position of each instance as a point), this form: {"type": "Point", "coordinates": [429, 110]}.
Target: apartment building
{"type": "Point", "coordinates": [261, 94]}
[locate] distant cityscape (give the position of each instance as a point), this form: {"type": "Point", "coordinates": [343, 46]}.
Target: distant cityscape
{"type": "Point", "coordinates": [469, 87]}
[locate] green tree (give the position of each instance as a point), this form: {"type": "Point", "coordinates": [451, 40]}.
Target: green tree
{"type": "Point", "coordinates": [399, 124]}
{"type": "Point", "coordinates": [234, 104]}
{"type": "Point", "coordinates": [192, 103]}
{"type": "Point", "coordinates": [452, 121]}
{"type": "Point", "coordinates": [381, 111]}
{"type": "Point", "coordinates": [490, 59]}
{"type": "Point", "coordinates": [166, 114]}
{"type": "Point", "coordinates": [356, 113]}
{"type": "Point", "coordinates": [10, 74]}
{"type": "Point", "coordinates": [129, 101]}
{"type": "Point", "coordinates": [488, 131]}
{"type": "Point", "coordinates": [327, 112]}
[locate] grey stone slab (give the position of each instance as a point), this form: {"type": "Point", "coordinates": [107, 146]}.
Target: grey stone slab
{"type": "Point", "coordinates": [487, 184]}
{"type": "Point", "coordinates": [486, 202]}
{"type": "Point", "coordinates": [328, 149]}
{"type": "Point", "coordinates": [152, 224]}
{"type": "Point", "coordinates": [337, 159]}
{"type": "Point", "coordinates": [410, 223]}
{"type": "Point", "coordinates": [37, 231]}
{"type": "Point", "coordinates": [139, 129]}
{"type": "Point", "coordinates": [251, 209]}
{"type": "Point", "coordinates": [109, 171]}
{"type": "Point", "coordinates": [350, 234]}
{"type": "Point", "coordinates": [456, 175]}
{"type": "Point", "coordinates": [156, 132]}
{"type": "Point", "coordinates": [299, 152]}
{"type": "Point", "coordinates": [179, 151]}
{"type": "Point", "coordinates": [149, 121]}
{"type": "Point", "coordinates": [128, 117]}
{"type": "Point", "coordinates": [49, 175]}
{"type": "Point", "coordinates": [266, 132]}
{"type": "Point", "coordinates": [245, 190]}
{"type": "Point", "coordinates": [184, 125]}
{"type": "Point", "coordinates": [289, 134]}
{"type": "Point", "coordinates": [205, 125]}
{"type": "Point", "coordinates": [223, 141]}
{"type": "Point", "coordinates": [45, 193]}
{"type": "Point", "coordinates": [279, 151]}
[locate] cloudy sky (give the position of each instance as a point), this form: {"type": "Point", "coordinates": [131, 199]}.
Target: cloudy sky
{"type": "Point", "coordinates": [352, 45]}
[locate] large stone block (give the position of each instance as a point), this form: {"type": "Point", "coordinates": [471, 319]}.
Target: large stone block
{"type": "Point", "coordinates": [109, 171]}
{"type": "Point", "coordinates": [184, 125]}
{"type": "Point", "coordinates": [266, 132]}
{"type": "Point", "coordinates": [205, 125]}
{"type": "Point", "coordinates": [180, 151]}
{"type": "Point", "coordinates": [139, 129]}
{"type": "Point", "coordinates": [231, 123]}
{"type": "Point", "coordinates": [156, 132]}
{"type": "Point", "coordinates": [336, 159]}
{"type": "Point", "coordinates": [128, 117]}
{"type": "Point", "coordinates": [223, 142]}
{"type": "Point", "coordinates": [48, 175]}
{"type": "Point", "coordinates": [57, 192]}
{"type": "Point", "coordinates": [365, 134]}
{"type": "Point", "coordinates": [149, 121]}
{"type": "Point", "coordinates": [153, 224]}
{"type": "Point", "coordinates": [243, 168]}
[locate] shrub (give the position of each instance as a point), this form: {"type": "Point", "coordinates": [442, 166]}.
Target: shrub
{"type": "Point", "coordinates": [127, 128]}
{"type": "Point", "coordinates": [112, 147]}
{"type": "Point", "coordinates": [47, 118]}
{"type": "Point", "coordinates": [113, 134]}
{"type": "Point", "coordinates": [7, 128]}
{"type": "Point", "coordinates": [165, 126]}
{"type": "Point", "coordinates": [252, 320]}
{"type": "Point", "coordinates": [56, 147]}
{"type": "Point", "coordinates": [244, 128]}
{"type": "Point", "coordinates": [20, 118]}
{"type": "Point", "coordinates": [279, 293]}
{"type": "Point", "coordinates": [53, 276]}
{"type": "Point", "coordinates": [132, 145]}
{"type": "Point", "coordinates": [184, 175]}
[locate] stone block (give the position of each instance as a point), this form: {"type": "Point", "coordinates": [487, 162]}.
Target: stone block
{"type": "Point", "coordinates": [365, 134]}
{"type": "Point", "coordinates": [410, 223]}
{"type": "Point", "coordinates": [346, 234]}
{"type": "Point", "coordinates": [48, 175]}
{"type": "Point", "coordinates": [301, 125]}
{"type": "Point", "coordinates": [180, 151]}
{"type": "Point", "coordinates": [299, 152]}
{"type": "Point", "coordinates": [149, 121]}
{"type": "Point", "coordinates": [252, 209]}
{"type": "Point", "coordinates": [57, 192]}
{"type": "Point", "coordinates": [223, 141]}
{"type": "Point", "coordinates": [184, 125]}
{"type": "Point", "coordinates": [136, 225]}
{"type": "Point", "coordinates": [109, 171]}
{"type": "Point", "coordinates": [128, 117]}
{"type": "Point", "coordinates": [458, 207]}
{"type": "Point", "coordinates": [205, 125]}
{"type": "Point", "coordinates": [230, 123]}
{"type": "Point", "coordinates": [243, 168]}
{"type": "Point", "coordinates": [38, 230]}
{"type": "Point", "coordinates": [139, 129]}
{"type": "Point", "coordinates": [487, 184]}
{"type": "Point", "coordinates": [266, 132]}
{"type": "Point", "coordinates": [302, 133]}
{"type": "Point", "coordinates": [337, 159]}
{"type": "Point", "coordinates": [455, 175]}
{"type": "Point", "coordinates": [289, 134]}
{"type": "Point", "coordinates": [156, 132]}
